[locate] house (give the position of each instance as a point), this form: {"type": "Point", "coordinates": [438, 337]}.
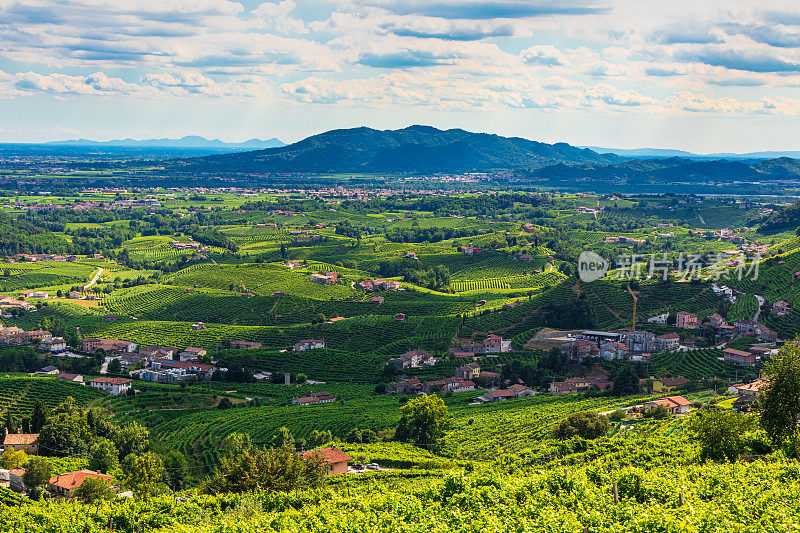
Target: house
{"type": "Point", "coordinates": [640, 341]}
{"type": "Point", "coordinates": [676, 405]}
{"type": "Point", "coordinates": [498, 395]}
{"type": "Point", "coordinates": [245, 345]}
{"type": "Point", "coordinates": [727, 332]}
{"type": "Point", "coordinates": [409, 386]}
{"type": "Point", "coordinates": [191, 353]}
{"type": "Point", "coordinates": [329, 278]}
{"type": "Point", "coordinates": [766, 334]}
{"type": "Point", "coordinates": [293, 264]}
{"type": "Point", "coordinates": [668, 341]}
{"type": "Point", "coordinates": [496, 344]}
{"type": "Point", "coordinates": [15, 482]}
{"type": "Point", "coordinates": [716, 320]}
{"type": "Point", "coordinates": [74, 378]}
{"type": "Point", "coordinates": [613, 350]}
{"type": "Point", "coordinates": [739, 357]}
{"type": "Point", "coordinates": [413, 359]}
{"type": "Point", "coordinates": [48, 370]}
{"type": "Point", "coordinates": [158, 352]}
{"type": "Point", "coordinates": [113, 386]}
{"type": "Point", "coordinates": [74, 295]}
{"type": "Point", "coordinates": [749, 391]}
{"type": "Point", "coordinates": [93, 345]}
{"type": "Point", "coordinates": [686, 320]}
{"type": "Point", "coordinates": [279, 294]}
{"type": "Point", "coordinates": [521, 391]}
{"type": "Point", "coordinates": [400, 317]}
{"type": "Point", "coordinates": [562, 387]}
{"type": "Point", "coordinates": [29, 442]}
{"type": "Point", "coordinates": [197, 326]}
{"type": "Point", "coordinates": [662, 385]}
{"type": "Point", "coordinates": [65, 485]}
{"type": "Point", "coordinates": [471, 250]}
{"type": "Point", "coordinates": [658, 319]}
{"type": "Point", "coordinates": [745, 327]}
{"type": "Point", "coordinates": [765, 352]}
{"type": "Point", "coordinates": [34, 294]}
{"type": "Point", "coordinates": [377, 300]}
{"type": "Point", "coordinates": [491, 377]}
{"type": "Point", "coordinates": [336, 460]}
{"type": "Point", "coordinates": [182, 368]}
{"type": "Point", "coordinates": [468, 371]}
{"type": "Point", "coordinates": [308, 344]}
{"type": "Point", "coordinates": [579, 349]}
{"type": "Point", "coordinates": [600, 336]}
{"type": "Point", "coordinates": [110, 318]}
{"type": "Point", "coordinates": [315, 397]}
{"type": "Point", "coordinates": [55, 344]}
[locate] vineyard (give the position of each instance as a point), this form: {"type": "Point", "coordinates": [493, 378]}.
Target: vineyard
{"type": "Point", "coordinates": [18, 395]}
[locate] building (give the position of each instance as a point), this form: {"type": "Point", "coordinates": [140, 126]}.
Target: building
{"type": "Point", "coordinates": [400, 317]}
{"type": "Point", "coordinates": [658, 319]}
{"type": "Point", "coordinates": [522, 391]}
{"type": "Point", "coordinates": [93, 345]}
{"type": "Point", "coordinates": [665, 385]}
{"type": "Point", "coordinates": [15, 482]}
{"type": "Point", "coordinates": [308, 344]}
{"type": "Point", "coordinates": [329, 278]}
{"type": "Point", "coordinates": [580, 349]}
{"type": "Point", "coordinates": [158, 352]}
{"type": "Point", "coordinates": [739, 357]}
{"type": "Point", "coordinates": [48, 370]}
{"type": "Point", "coordinates": [245, 345]}
{"type": "Point", "coordinates": [498, 395]}
{"type": "Point", "coordinates": [29, 442]}
{"type": "Point", "coordinates": [668, 341]}
{"type": "Point", "coordinates": [686, 320]}
{"type": "Point", "coordinates": [747, 390]}
{"type": "Point", "coordinates": [613, 350]}
{"type": "Point", "coordinates": [468, 371]}
{"type": "Point", "coordinates": [65, 485]}
{"type": "Point", "coordinates": [781, 308]}
{"type": "Point", "coordinates": [336, 460]}
{"type": "Point", "coordinates": [409, 386]}
{"type": "Point", "coordinates": [55, 344]}
{"type": "Point", "coordinates": [676, 405]}
{"type": "Point", "coordinates": [191, 353]}
{"type": "Point", "coordinates": [716, 320]}
{"type": "Point", "coordinates": [74, 378]}
{"type": "Point", "coordinates": [640, 341]}
{"type": "Point", "coordinates": [113, 386]}
{"type": "Point", "coordinates": [315, 397]}
{"type": "Point", "coordinates": [600, 336]}
{"type": "Point", "coordinates": [197, 326]}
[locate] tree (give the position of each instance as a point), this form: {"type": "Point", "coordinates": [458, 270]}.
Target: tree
{"type": "Point", "coordinates": [423, 421]}
{"type": "Point", "coordinates": [132, 438]}
{"type": "Point", "coordinates": [103, 456]}
{"type": "Point", "coordinates": [95, 490]}
{"type": "Point", "coordinates": [276, 469]}
{"type": "Point", "coordinates": [721, 433]}
{"type": "Point", "coordinates": [587, 425]}
{"type": "Point", "coordinates": [10, 423]}
{"type": "Point", "coordinates": [283, 251]}
{"type": "Point", "coordinates": [780, 397]}
{"type": "Point", "coordinates": [65, 434]}
{"type": "Point", "coordinates": [38, 471]}
{"type": "Point", "coordinates": [176, 470]}
{"type": "Point", "coordinates": [625, 382]}
{"type": "Point", "coordinates": [235, 444]}
{"type": "Point", "coordinates": [13, 459]}
{"type": "Point", "coordinates": [301, 378]}
{"type": "Point", "coordinates": [318, 438]}
{"type": "Point", "coordinates": [225, 403]}
{"type": "Point", "coordinates": [143, 473]}
{"type": "Point", "coordinates": [38, 417]}
{"type": "Point", "coordinates": [283, 439]}
{"type": "Point", "coordinates": [114, 366]}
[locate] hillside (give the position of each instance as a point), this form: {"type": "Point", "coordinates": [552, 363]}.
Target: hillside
{"type": "Point", "coordinates": [412, 149]}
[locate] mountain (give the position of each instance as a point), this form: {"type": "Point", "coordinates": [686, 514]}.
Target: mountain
{"type": "Point", "coordinates": [665, 152]}
{"type": "Point", "coordinates": [411, 149]}
{"type": "Point", "coordinates": [190, 142]}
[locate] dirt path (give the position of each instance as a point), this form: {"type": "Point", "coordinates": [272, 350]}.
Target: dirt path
{"type": "Point", "coordinates": [94, 279]}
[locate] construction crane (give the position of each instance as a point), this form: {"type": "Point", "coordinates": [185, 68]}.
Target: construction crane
{"type": "Point", "coordinates": [635, 299]}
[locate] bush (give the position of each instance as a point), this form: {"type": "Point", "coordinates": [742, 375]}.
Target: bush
{"type": "Point", "coordinates": [618, 415]}
{"type": "Point", "coordinates": [587, 425]}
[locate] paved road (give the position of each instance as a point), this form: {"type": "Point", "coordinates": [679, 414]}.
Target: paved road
{"type": "Point", "coordinates": [760, 303]}
{"type": "Point", "coordinates": [94, 279]}
{"type": "Point", "coordinates": [104, 366]}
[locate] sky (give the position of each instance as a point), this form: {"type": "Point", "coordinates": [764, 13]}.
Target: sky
{"type": "Point", "coordinates": [700, 75]}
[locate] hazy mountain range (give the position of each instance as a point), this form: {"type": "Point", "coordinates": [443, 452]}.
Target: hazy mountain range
{"type": "Point", "coordinates": [666, 152]}
{"type": "Point", "coordinates": [190, 141]}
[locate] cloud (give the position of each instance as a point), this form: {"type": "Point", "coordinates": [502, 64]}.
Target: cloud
{"type": "Point", "coordinates": [402, 59]}
{"type": "Point", "coordinates": [484, 9]}
{"type": "Point", "coordinates": [753, 60]}
{"type": "Point", "coordinates": [542, 54]}
{"type": "Point", "coordinates": [426, 28]}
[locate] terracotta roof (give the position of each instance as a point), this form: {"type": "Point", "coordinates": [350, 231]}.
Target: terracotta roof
{"type": "Point", "coordinates": [669, 336]}
{"type": "Point", "coordinates": [66, 376]}
{"type": "Point", "coordinates": [20, 439]}
{"type": "Point", "coordinates": [73, 480]}
{"type": "Point", "coordinates": [500, 393]}
{"type": "Point", "coordinates": [19, 472]}
{"type": "Point", "coordinates": [519, 388]}
{"type": "Point", "coordinates": [329, 455]}
{"type": "Point", "coordinates": [113, 381]}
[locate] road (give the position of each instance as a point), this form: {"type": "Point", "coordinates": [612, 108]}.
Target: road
{"type": "Point", "coordinates": [760, 304]}
{"type": "Point", "coordinates": [94, 279]}
{"type": "Point", "coordinates": [104, 366]}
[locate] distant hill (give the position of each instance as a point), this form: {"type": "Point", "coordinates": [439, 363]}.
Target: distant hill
{"type": "Point", "coordinates": [412, 149]}
{"type": "Point", "coordinates": [189, 142]}
{"type": "Point", "coordinates": [666, 152]}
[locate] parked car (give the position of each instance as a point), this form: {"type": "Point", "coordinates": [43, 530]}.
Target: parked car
{"type": "Point", "coordinates": [372, 466]}
{"type": "Point", "coordinates": [358, 466]}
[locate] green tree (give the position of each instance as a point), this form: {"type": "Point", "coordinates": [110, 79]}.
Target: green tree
{"type": "Point", "coordinates": [721, 433]}
{"type": "Point", "coordinates": [103, 456]}
{"type": "Point", "coordinates": [38, 417]}
{"type": "Point", "coordinates": [13, 459]}
{"type": "Point", "coordinates": [423, 421]}
{"type": "Point", "coordinates": [587, 425]}
{"type": "Point", "coordinates": [235, 444]}
{"type": "Point", "coordinates": [65, 434]}
{"type": "Point", "coordinates": [143, 473]}
{"type": "Point", "coordinates": [626, 381]}
{"type": "Point", "coordinates": [283, 439]}
{"type": "Point", "coordinates": [132, 438]}
{"type": "Point", "coordinates": [95, 490]}
{"type": "Point", "coordinates": [176, 470]}
{"type": "Point", "coordinates": [780, 397]}
{"type": "Point", "coordinates": [38, 471]}
{"type": "Point", "coordinates": [114, 366]}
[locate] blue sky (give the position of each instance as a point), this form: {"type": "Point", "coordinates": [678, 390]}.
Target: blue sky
{"type": "Point", "coordinates": [704, 76]}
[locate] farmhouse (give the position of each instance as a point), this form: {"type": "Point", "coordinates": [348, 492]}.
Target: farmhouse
{"type": "Point", "coordinates": [335, 458]}
{"type": "Point", "coordinates": [191, 353]}
{"type": "Point", "coordinates": [716, 320]}
{"type": "Point", "coordinates": [409, 386]}
{"type": "Point", "coordinates": [315, 397]}
{"type": "Point", "coordinates": [676, 405]}
{"type": "Point", "coordinates": [29, 442]}
{"type": "Point", "coordinates": [47, 370]}
{"type": "Point", "coordinates": [75, 378]}
{"type": "Point", "coordinates": [498, 395]}
{"type": "Point", "coordinates": [613, 350]}
{"type": "Point", "coordinates": [65, 485]}
{"type": "Point", "coordinates": [308, 344]}
{"type": "Point", "coordinates": [158, 352]}
{"type": "Point", "coordinates": [113, 386]}
{"type": "Point", "coordinates": [658, 319]}
{"type": "Point", "coordinates": [521, 391]}
{"type": "Point", "coordinates": [55, 344]}
{"type": "Point", "coordinates": [400, 317]}
{"type": "Point", "coordinates": [197, 326]}
{"type": "Point", "coordinates": [329, 278]}
{"type": "Point", "coordinates": [468, 371]}
{"type": "Point", "coordinates": [107, 345]}
{"type": "Point", "coordinates": [739, 357]}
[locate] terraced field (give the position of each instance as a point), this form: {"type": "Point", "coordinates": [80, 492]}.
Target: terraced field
{"type": "Point", "coordinates": [19, 395]}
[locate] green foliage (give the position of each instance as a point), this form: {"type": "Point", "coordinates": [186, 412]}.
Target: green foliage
{"type": "Point", "coordinates": [143, 473]}
{"type": "Point", "coordinates": [95, 490]}
{"type": "Point", "coordinates": [780, 397]}
{"type": "Point", "coordinates": [38, 471]}
{"type": "Point", "coordinates": [722, 433]}
{"type": "Point", "coordinates": [423, 421]}
{"type": "Point", "coordinates": [586, 425]}
{"type": "Point", "coordinates": [103, 455]}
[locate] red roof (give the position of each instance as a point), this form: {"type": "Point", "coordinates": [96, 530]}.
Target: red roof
{"type": "Point", "coordinates": [20, 439]}
{"type": "Point", "coordinates": [329, 455]}
{"type": "Point", "coordinates": [113, 381]}
{"type": "Point", "coordinates": [73, 480]}
{"type": "Point", "coordinates": [501, 393]}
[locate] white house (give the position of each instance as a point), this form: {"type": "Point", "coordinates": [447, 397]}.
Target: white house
{"type": "Point", "coordinates": [308, 344]}
{"type": "Point", "coordinates": [112, 386]}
